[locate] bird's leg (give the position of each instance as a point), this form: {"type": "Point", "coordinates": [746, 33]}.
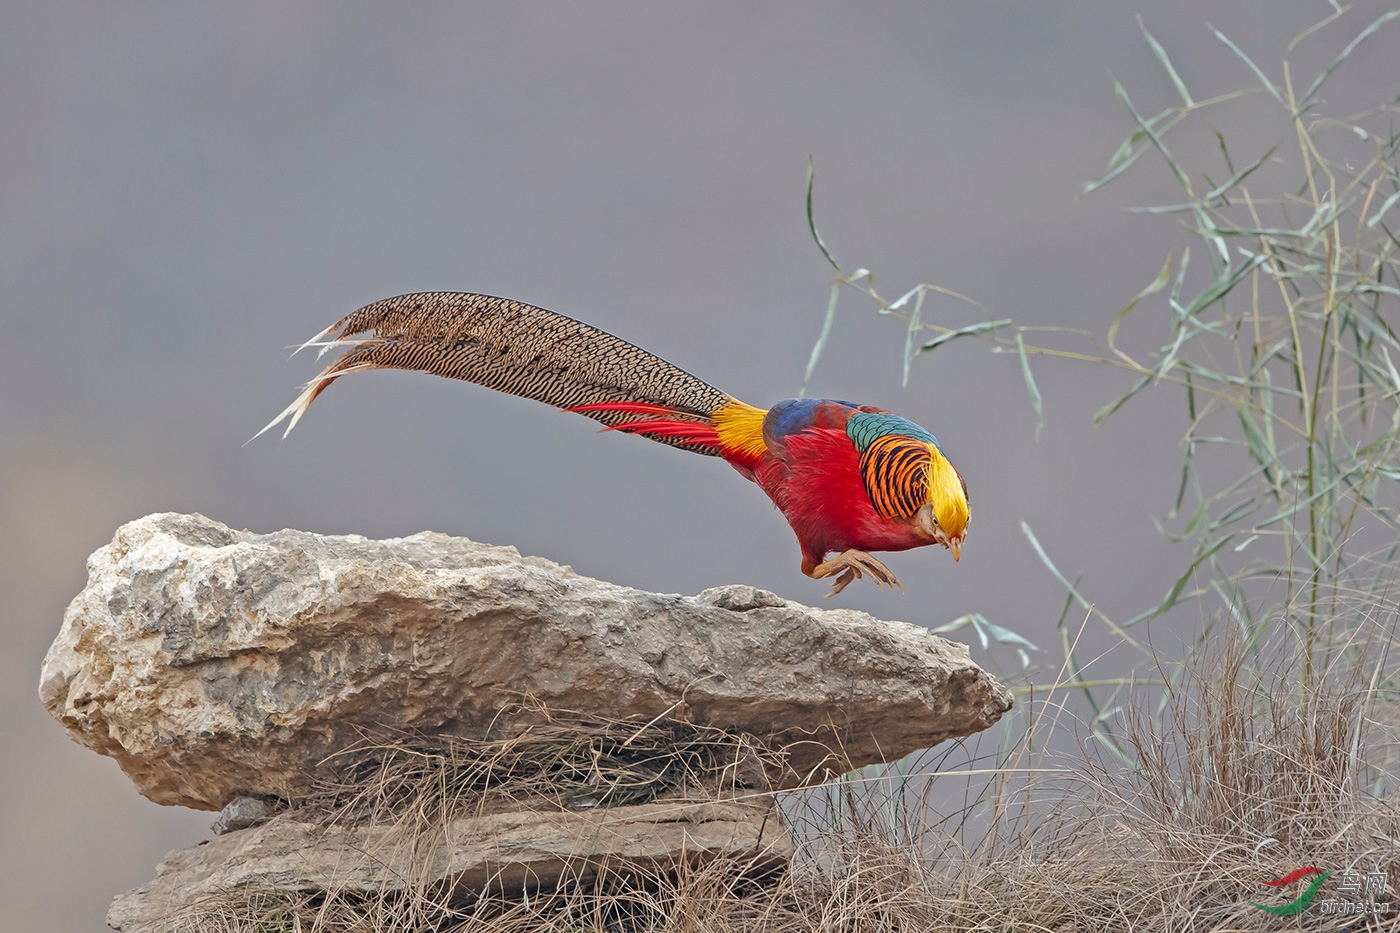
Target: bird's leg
{"type": "Point", "coordinates": [853, 565]}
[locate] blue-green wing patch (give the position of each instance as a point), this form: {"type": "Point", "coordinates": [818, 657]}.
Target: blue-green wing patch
{"type": "Point", "coordinates": [865, 427]}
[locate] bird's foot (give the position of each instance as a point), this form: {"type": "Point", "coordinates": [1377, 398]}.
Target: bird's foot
{"type": "Point", "coordinates": [853, 565]}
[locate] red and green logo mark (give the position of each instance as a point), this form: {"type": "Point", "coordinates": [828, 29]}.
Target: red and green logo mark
{"type": "Point", "coordinates": [1301, 902]}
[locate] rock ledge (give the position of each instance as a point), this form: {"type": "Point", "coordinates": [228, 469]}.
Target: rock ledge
{"type": "Point", "coordinates": [213, 663]}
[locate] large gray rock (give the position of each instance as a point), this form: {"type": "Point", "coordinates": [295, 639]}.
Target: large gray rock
{"type": "Point", "coordinates": [213, 663]}
{"type": "Point", "coordinates": [501, 852]}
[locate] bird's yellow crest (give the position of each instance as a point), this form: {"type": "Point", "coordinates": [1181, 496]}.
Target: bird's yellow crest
{"type": "Point", "coordinates": [945, 493]}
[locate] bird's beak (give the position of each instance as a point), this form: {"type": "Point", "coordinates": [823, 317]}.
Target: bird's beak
{"type": "Point", "coordinates": [956, 548]}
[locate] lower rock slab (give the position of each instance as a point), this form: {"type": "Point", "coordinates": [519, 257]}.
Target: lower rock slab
{"type": "Point", "coordinates": [501, 852]}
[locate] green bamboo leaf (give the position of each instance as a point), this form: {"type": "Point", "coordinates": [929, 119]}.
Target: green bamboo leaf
{"type": "Point", "coordinates": [1175, 295]}
{"type": "Point", "coordinates": [821, 339]}
{"type": "Point", "coordinates": [1268, 85]}
{"type": "Point", "coordinates": [1156, 141]}
{"type": "Point", "coordinates": [1197, 517]}
{"type": "Point", "coordinates": [1296, 507]}
{"type": "Point", "coordinates": [915, 322]}
{"type": "Point", "coordinates": [1193, 371]}
{"type": "Point", "coordinates": [1031, 389]}
{"type": "Point", "coordinates": [1076, 672]}
{"type": "Point", "coordinates": [1165, 532]}
{"type": "Point", "coordinates": [1161, 54]}
{"type": "Point", "coordinates": [1322, 218]}
{"type": "Point", "coordinates": [1236, 606]}
{"type": "Point", "coordinates": [987, 632]}
{"type": "Point", "coordinates": [1005, 636]}
{"type": "Point", "coordinates": [902, 300]}
{"type": "Point", "coordinates": [1389, 203]}
{"type": "Point", "coordinates": [1222, 286]}
{"type": "Point", "coordinates": [1126, 154]}
{"type": "Point", "coordinates": [1258, 448]}
{"type": "Point", "coordinates": [1165, 208]}
{"type": "Point", "coordinates": [979, 328]}
{"type": "Point", "coordinates": [1125, 149]}
{"type": "Point", "coordinates": [1225, 150]}
{"type": "Point", "coordinates": [1156, 285]}
{"type": "Point", "coordinates": [835, 288]}
{"type": "Point", "coordinates": [962, 622]}
{"type": "Point", "coordinates": [1174, 594]}
{"type": "Point", "coordinates": [1185, 477]}
{"type": "Point", "coordinates": [1240, 175]}
{"type": "Point", "coordinates": [1389, 233]}
{"type": "Point", "coordinates": [1213, 234]}
{"type": "Point", "coordinates": [1374, 329]}
{"type": "Point", "coordinates": [1390, 367]}
{"type": "Point", "coordinates": [1103, 413]}
{"type": "Point", "coordinates": [1114, 170]}
{"type": "Point", "coordinates": [1235, 512]}
{"type": "Point", "coordinates": [1050, 565]}
{"type": "Point", "coordinates": [811, 220]}
{"type": "Point", "coordinates": [1271, 232]}
{"type": "Point", "coordinates": [1179, 338]}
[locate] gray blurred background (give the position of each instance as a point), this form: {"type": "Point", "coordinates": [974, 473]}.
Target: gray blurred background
{"type": "Point", "coordinates": [185, 191]}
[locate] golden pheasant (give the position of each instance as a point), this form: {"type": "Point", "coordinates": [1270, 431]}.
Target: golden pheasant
{"type": "Point", "coordinates": [849, 478]}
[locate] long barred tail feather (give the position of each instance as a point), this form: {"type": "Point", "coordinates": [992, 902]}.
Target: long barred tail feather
{"type": "Point", "coordinates": [521, 350]}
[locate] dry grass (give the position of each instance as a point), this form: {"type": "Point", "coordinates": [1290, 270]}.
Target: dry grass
{"type": "Point", "coordinates": [1239, 777]}
{"type": "Point", "coordinates": [560, 760]}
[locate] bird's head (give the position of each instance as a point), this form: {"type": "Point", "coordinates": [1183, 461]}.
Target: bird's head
{"type": "Point", "coordinates": [943, 518]}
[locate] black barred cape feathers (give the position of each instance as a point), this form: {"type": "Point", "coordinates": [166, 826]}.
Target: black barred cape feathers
{"type": "Point", "coordinates": [514, 348]}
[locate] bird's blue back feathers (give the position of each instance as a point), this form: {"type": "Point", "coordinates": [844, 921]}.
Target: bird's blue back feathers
{"type": "Point", "coordinates": [863, 427]}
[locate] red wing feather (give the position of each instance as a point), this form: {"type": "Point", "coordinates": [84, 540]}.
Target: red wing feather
{"type": "Point", "coordinates": [677, 427]}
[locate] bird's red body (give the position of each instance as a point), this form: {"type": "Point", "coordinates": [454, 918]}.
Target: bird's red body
{"type": "Point", "coordinates": [813, 476]}
{"type": "Point", "coordinates": [802, 454]}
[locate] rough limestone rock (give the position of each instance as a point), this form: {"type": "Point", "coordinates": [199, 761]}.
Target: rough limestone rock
{"type": "Point", "coordinates": [502, 852]}
{"type": "Point", "coordinates": [213, 663]}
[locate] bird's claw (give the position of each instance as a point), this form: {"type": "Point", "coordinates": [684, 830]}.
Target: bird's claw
{"type": "Point", "coordinates": [853, 565]}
